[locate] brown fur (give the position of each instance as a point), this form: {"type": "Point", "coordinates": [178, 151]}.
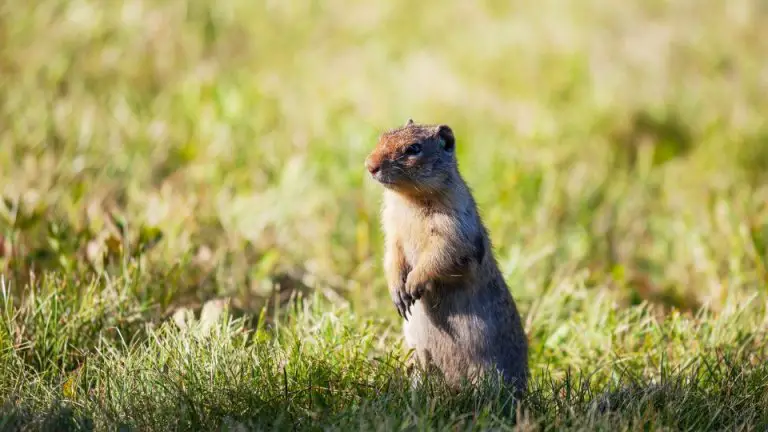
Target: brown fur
{"type": "Point", "coordinates": [443, 278]}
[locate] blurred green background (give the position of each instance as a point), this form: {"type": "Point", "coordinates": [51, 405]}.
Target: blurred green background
{"type": "Point", "coordinates": [627, 139]}
{"type": "Point", "coordinates": [196, 150]}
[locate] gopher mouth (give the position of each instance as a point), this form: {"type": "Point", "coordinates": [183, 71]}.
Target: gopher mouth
{"type": "Point", "coordinates": [383, 178]}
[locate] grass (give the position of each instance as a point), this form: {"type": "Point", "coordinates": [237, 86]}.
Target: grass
{"type": "Point", "coordinates": [188, 240]}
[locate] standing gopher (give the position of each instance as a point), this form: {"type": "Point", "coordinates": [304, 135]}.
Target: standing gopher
{"type": "Point", "coordinates": [443, 278]}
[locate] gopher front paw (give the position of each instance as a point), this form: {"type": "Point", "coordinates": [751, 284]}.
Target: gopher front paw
{"type": "Point", "coordinates": [416, 286]}
{"type": "Point", "coordinates": [402, 301]}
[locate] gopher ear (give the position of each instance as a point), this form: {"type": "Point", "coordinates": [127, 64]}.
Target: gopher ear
{"type": "Point", "coordinates": [409, 122]}
{"type": "Point", "coordinates": [445, 134]}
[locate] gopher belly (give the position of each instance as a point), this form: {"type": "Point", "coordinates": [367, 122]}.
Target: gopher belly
{"type": "Point", "coordinates": [462, 338]}
{"type": "Point", "coordinates": [439, 344]}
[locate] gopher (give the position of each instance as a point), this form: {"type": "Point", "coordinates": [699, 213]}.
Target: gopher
{"type": "Point", "coordinates": [459, 315]}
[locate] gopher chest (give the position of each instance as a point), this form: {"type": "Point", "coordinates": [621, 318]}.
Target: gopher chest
{"type": "Point", "coordinates": [414, 231]}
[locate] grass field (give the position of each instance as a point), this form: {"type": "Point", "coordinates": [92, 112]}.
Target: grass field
{"type": "Point", "coordinates": [161, 156]}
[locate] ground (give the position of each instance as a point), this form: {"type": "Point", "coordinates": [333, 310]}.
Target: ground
{"type": "Point", "coordinates": [188, 239]}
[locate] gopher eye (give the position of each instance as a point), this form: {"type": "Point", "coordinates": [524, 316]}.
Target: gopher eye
{"type": "Point", "coordinates": [413, 149]}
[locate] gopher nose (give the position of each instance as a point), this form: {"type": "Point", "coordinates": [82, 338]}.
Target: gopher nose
{"type": "Point", "coordinates": [372, 167]}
